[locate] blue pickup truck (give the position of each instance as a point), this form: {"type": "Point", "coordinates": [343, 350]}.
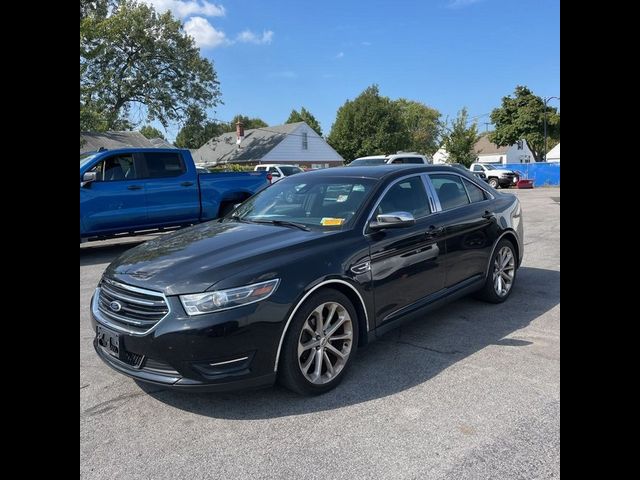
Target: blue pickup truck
{"type": "Point", "coordinates": [129, 190]}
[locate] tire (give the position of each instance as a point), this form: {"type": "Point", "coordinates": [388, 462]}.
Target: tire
{"type": "Point", "coordinates": [490, 291]}
{"type": "Point", "coordinates": [298, 367]}
{"type": "Point", "coordinates": [494, 182]}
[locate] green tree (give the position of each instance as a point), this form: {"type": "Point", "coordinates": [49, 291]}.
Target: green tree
{"type": "Point", "coordinates": [368, 125]}
{"type": "Point", "coordinates": [460, 140]}
{"type": "Point", "coordinates": [197, 130]}
{"type": "Point", "coordinates": [249, 123]}
{"type": "Point", "coordinates": [135, 57]}
{"type": "Point", "coordinates": [423, 125]}
{"type": "Point", "coordinates": [149, 132]}
{"type": "Point", "coordinates": [522, 117]}
{"type": "Point", "coordinates": [305, 116]}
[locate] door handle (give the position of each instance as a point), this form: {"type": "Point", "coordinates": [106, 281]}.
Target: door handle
{"type": "Point", "coordinates": [134, 187]}
{"type": "Point", "coordinates": [186, 184]}
{"type": "Point", "coordinates": [489, 215]}
{"type": "Point", "coordinates": [434, 231]}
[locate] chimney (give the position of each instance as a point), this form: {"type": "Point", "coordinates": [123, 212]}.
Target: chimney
{"type": "Point", "coordinates": [239, 132]}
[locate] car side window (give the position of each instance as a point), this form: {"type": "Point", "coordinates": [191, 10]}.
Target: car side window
{"type": "Point", "coordinates": [477, 168]}
{"type": "Point", "coordinates": [413, 160]}
{"type": "Point", "coordinates": [118, 167]}
{"type": "Point", "coordinates": [164, 165]}
{"type": "Point", "coordinates": [450, 190]}
{"type": "Point", "coordinates": [476, 194]}
{"type": "Point", "coordinates": [406, 196]}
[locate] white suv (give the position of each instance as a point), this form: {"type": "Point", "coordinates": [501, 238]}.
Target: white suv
{"type": "Point", "coordinates": [400, 157]}
{"type": "Point", "coordinates": [278, 172]}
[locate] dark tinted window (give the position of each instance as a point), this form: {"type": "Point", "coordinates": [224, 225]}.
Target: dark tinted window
{"type": "Point", "coordinates": [406, 196]}
{"type": "Point", "coordinates": [476, 194]}
{"type": "Point", "coordinates": [120, 167]}
{"type": "Point", "coordinates": [477, 168]}
{"type": "Point", "coordinates": [450, 190]}
{"type": "Point", "coordinates": [290, 170]}
{"type": "Point", "coordinates": [413, 160]}
{"type": "Point", "coordinates": [161, 164]}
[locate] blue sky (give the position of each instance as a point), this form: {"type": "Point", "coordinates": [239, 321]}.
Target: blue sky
{"type": "Point", "coordinates": [272, 56]}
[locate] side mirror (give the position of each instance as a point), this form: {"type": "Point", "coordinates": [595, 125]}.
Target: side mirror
{"type": "Point", "coordinates": [87, 178]}
{"type": "Point", "coordinates": [392, 220]}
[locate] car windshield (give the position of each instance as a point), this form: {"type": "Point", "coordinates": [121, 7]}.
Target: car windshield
{"type": "Point", "coordinates": [326, 203]}
{"type": "Point", "coordinates": [290, 170]}
{"type": "Point", "coordinates": [361, 162]}
{"type": "Point", "coordinates": [86, 158]}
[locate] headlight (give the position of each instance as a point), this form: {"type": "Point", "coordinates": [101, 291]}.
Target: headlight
{"type": "Point", "coordinates": [200, 303]}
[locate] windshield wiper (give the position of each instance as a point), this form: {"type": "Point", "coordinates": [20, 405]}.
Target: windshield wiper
{"type": "Point", "coordinates": [284, 223]}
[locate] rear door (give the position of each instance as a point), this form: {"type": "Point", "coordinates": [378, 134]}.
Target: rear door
{"type": "Point", "coordinates": [470, 227]}
{"type": "Point", "coordinates": [171, 189]}
{"type": "Point", "coordinates": [406, 263]}
{"type": "Point", "coordinates": [115, 202]}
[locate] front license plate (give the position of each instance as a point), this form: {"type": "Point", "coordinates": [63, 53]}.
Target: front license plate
{"type": "Point", "coordinates": [109, 341]}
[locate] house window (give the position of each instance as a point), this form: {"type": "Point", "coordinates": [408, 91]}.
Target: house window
{"type": "Point", "coordinates": [305, 143]}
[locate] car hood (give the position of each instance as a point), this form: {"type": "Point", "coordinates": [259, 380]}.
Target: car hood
{"type": "Point", "coordinates": [194, 259]}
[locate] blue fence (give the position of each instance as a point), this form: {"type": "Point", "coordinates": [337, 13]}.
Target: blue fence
{"type": "Point", "coordinates": [541, 173]}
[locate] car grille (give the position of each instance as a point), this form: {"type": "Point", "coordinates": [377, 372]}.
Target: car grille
{"type": "Point", "coordinates": [133, 308]}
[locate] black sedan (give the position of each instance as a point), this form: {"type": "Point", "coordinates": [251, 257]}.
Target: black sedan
{"type": "Point", "coordinates": [291, 282]}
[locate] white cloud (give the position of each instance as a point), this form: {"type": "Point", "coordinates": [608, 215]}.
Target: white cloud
{"type": "Point", "coordinates": [340, 55]}
{"type": "Point", "coordinates": [183, 9]}
{"type": "Point", "coordinates": [204, 33]}
{"type": "Point", "coordinates": [247, 36]}
{"type": "Point", "coordinates": [283, 74]}
{"type": "Point", "coordinates": [461, 3]}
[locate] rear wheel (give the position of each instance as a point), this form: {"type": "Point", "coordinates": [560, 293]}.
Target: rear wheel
{"type": "Point", "coordinates": [494, 182]}
{"type": "Point", "coordinates": [320, 344]}
{"type": "Point", "coordinates": [502, 274]}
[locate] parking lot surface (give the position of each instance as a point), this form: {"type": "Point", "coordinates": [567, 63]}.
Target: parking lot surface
{"type": "Point", "coordinates": [471, 391]}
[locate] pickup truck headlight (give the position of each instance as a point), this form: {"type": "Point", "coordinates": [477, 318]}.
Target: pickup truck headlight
{"type": "Point", "coordinates": [208, 302]}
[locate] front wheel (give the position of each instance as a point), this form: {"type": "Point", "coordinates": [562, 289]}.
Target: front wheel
{"type": "Point", "coordinates": [320, 344]}
{"type": "Point", "coordinates": [502, 274]}
{"type": "Point", "coordinates": [494, 182]}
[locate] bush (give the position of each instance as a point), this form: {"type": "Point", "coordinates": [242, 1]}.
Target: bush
{"type": "Point", "coordinates": [231, 167]}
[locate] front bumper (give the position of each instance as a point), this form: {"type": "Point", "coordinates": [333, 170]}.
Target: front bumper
{"type": "Point", "coordinates": [229, 350]}
{"type": "Point", "coordinates": [508, 180]}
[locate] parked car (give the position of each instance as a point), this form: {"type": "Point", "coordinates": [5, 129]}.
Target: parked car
{"type": "Point", "coordinates": [296, 278]}
{"type": "Point", "coordinates": [128, 190]}
{"type": "Point", "coordinates": [400, 157]}
{"type": "Point", "coordinates": [496, 177]}
{"type": "Point", "coordinates": [480, 175]}
{"type": "Point", "coordinates": [278, 172]}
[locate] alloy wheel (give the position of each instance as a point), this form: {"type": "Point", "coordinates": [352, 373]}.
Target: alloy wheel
{"type": "Point", "coordinates": [504, 269]}
{"type": "Point", "coordinates": [325, 343]}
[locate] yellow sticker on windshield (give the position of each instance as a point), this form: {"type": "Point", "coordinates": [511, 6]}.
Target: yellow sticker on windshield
{"type": "Point", "coordinates": [331, 222]}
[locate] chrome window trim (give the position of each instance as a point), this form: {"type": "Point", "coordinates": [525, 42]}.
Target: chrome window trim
{"type": "Point", "coordinates": [299, 304]}
{"type": "Point", "coordinates": [384, 192]}
{"type": "Point", "coordinates": [102, 320]}
{"type": "Point", "coordinates": [433, 197]}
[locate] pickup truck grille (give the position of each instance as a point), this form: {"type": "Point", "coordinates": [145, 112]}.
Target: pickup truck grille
{"type": "Point", "coordinates": [133, 308]}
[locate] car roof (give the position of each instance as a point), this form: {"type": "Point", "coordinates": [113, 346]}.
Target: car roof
{"type": "Point", "coordinates": [380, 172]}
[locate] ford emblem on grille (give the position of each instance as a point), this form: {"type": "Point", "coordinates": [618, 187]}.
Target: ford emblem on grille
{"type": "Point", "coordinates": [115, 306]}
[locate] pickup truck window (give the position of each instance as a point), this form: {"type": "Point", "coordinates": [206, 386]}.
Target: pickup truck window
{"type": "Point", "coordinates": [119, 167]}
{"type": "Point", "coordinates": [163, 164]}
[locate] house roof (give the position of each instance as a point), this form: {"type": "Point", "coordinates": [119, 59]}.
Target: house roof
{"type": "Point", "coordinates": [111, 140]}
{"type": "Point", "coordinates": [485, 147]}
{"type": "Point", "coordinates": [256, 144]}
{"type": "Point", "coordinates": [161, 143]}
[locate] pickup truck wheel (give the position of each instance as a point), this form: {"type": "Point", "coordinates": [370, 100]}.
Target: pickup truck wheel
{"type": "Point", "coordinates": [320, 344]}
{"type": "Point", "coordinates": [493, 181]}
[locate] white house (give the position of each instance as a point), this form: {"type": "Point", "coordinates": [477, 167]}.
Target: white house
{"type": "Point", "coordinates": [291, 144]}
{"type": "Point", "coordinates": [489, 152]}
{"type": "Point", "coordinates": [441, 156]}
{"type": "Point", "coordinates": [554, 154]}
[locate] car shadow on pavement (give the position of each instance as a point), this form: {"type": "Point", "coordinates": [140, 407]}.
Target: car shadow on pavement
{"type": "Point", "coordinates": [408, 356]}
